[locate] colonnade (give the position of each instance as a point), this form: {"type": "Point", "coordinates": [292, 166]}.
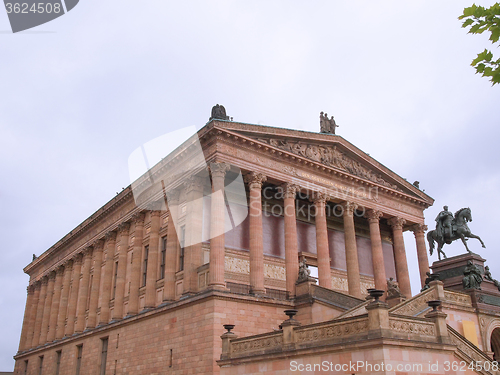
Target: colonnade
{"type": "Point", "coordinates": [78, 295]}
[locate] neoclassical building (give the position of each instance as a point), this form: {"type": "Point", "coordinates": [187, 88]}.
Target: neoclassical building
{"type": "Point", "coordinates": [214, 234]}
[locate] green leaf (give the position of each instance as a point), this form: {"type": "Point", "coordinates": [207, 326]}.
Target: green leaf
{"type": "Point", "coordinates": [468, 22]}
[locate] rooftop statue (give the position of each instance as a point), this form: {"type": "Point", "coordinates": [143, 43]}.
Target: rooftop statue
{"type": "Point", "coordinates": [327, 125]}
{"type": "Point", "coordinates": [449, 228]}
{"type": "Point", "coordinates": [219, 113]}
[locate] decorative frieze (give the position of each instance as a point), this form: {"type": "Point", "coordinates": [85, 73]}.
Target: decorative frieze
{"type": "Point", "coordinates": [331, 157]}
{"type": "Point", "coordinates": [412, 327]}
{"type": "Point", "coordinates": [247, 346]}
{"type": "Point", "coordinates": [331, 330]}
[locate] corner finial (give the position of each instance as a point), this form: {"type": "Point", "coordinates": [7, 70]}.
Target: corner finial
{"type": "Point", "coordinates": [219, 113]}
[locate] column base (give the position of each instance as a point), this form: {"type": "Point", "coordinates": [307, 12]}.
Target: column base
{"type": "Point", "coordinates": [218, 287]}
{"type": "Point", "coordinates": [258, 292]}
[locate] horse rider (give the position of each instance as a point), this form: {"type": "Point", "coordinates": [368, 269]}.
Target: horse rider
{"type": "Point", "coordinates": [444, 220]}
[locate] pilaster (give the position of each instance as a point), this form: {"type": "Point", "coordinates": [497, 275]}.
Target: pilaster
{"type": "Point", "coordinates": [152, 275]}
{"type": "Point", "coordinates": [107, 278]}
{"type": "Point", "coordinates": [124, 233]}
{"type": "Point", "coordinates": [135, 277]}
{"type": "Point", "coordinates": [96, 281]}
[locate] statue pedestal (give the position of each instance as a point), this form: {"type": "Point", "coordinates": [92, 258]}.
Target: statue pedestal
{"type": "Point", "coordinates": [451, 273]}
{"type": "Point", "coordinates": [451, 270]}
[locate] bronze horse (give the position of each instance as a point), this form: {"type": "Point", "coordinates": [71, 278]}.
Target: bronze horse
{"type": "Point", "coordinates": [460, 230]}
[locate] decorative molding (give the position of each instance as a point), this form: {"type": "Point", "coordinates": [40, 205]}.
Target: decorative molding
{"type": "Point", "coordinates": [331, 157]}
{"type": "Point", "coordinates": [138, 218]}
{"type": "Point", "coordinates": [124, 227]}
{"type": "Point", "coordinates": [236, 265]}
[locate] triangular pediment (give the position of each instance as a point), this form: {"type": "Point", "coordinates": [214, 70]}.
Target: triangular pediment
{"type": "Point", "coordinates": [329, 150]}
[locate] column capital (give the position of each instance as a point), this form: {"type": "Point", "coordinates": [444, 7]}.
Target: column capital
{"type": "Point", "coordinates": [30, 288]}
{"type": "Point", "coordinates": [52, 275]}
{"type": "Point", "coordinates": [173, 197]}
{"type": "Point", "coordinates": [78, 258]}
{"type": "Point", "coordinates": [123, 227]}
{"type": "Point", "coordinates": [37, 284]}
{"type": "Point", "coordinates": [110, 236]}
{"type": "Point", "coordinates": [193, 183]}
{"type": "Point", "coordinates": [44, 280]}
{"type": "Point", "coordinates": [60, 270]}
{"type": "Point", "coordinates": [155, 213]}
{"type": "Point", "coordinates": [98, 244]}
{"type": "Point", "coordinates": [318, 197]}
{"type": "Point", "coordinates": [349, 208]}
{"type": "Point", "coordinates": [219, 169]}
{"type": "Point", "coordinates": [418, 228]}
{"type": "Point", "coordinates": [68, 263]}
{"type": "Point", "coordinates": [87, 251]}
{"type": "Point", "coordinates": [290, 190]}
{"type": "Point", "coordinates": [138, 217]}
{"type": "Point", "coordinates": [255, 180]}
{"type": "Point", "coordinates": [396, 222]}
{"type": "Point", "coordinates": [373, 216]}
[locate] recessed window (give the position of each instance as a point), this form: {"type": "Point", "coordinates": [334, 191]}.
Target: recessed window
{"type": "Point", "coordinates": [79, 351]}
{"type": "Point", "coordinates": [104, 355]}
{"type": "Point", "coordinates": [145, 266]}
{"type": "Point", "coordinates": [58, 361]}
{"type": "Point", "coordinates": [163, 257]}
{"type": "Point", "coordinates": [181, 251]}
{"type": "Point", "coordinates": [40, 361]}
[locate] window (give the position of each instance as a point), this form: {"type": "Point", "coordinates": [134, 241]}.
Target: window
{"type": "Point", "coordinates": [104, 355]}
{"type": "Point", "coordinates": [163, 257]}
{"type": "Point", "coordinates": [181, 252]}
{"type": "Point", "coordinates": [79, 350]}
{"type": "Point", "coordinates": [41, 365]}
{"type": "Point", "coordinates": [25, 367]}
{"type": "Point", "coordinates": [145, 265]}
{"type": "Point", "coordinates": [58, 361]}
{"type": "Point", "coordinates": [114, 279]}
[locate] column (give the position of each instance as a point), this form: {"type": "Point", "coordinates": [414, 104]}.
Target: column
{"type": "Point", "coordinates": [152, 275]}
{"type": "Point", "coordinates": [34, 309]}
{"type": "Point", "coordinates": [172, 245]}
{"type": "Point", "coordinates": [96, 282]}
{"type": "Point", "coordinates": [400, 255]}
{"type": "Point", "coordinates": [63, 305]}
{"type": "Point", "coordinates": [46, 308]}
{"type": "Point", "coordinates": [135, 277]}
{"type": "Point", "coordinates": [217, 226]}
{"type": "Point", "coordinates": [351, 251]}
{"type": "Point", "coordinates": [56, 300]}
{"type": "Point", "coordinates": [73, 295]}
{"type": "Point", "coordinates": [83, 291]}
{"type": "Point", "coordinates": [107, 278]}
{"type": "Point", "coordinates": [24, 331]}
{"type": "Point", "coordinates": [194, 220]}
{"type": "Point", "coordinates": [291, 245]}
{"type": "Point", "coordinates": [123, 231]}
{"type": "Point", "coordinates": [39, 312]}
{"type": "Point", "coordinates": [377, 252]}
{"type": "Point", "coordinates": [254, 181]}
{"type": "Point", "coordinates": [322, 249]}
{"type": "Point", "coordinates": [423, 261]}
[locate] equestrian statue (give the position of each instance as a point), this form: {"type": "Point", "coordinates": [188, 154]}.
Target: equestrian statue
{"type": "Point", "coordinates": [449, 228]}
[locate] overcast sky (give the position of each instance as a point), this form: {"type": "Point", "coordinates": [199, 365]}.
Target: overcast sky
{"type": "Point", "coordinates": [79, 94]}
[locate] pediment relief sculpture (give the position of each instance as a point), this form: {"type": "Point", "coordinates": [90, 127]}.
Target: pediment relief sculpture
{"type": "Point", "coordinates": [330, 156]}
